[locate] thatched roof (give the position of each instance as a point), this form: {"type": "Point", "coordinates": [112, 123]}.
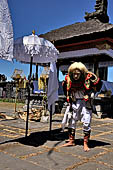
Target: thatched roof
{"type": "Point", "coordinates": [77, 29]}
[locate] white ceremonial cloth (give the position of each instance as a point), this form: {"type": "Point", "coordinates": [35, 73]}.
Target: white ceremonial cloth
{"type": "Point", "coordinates": [6, 32]}
{"type": "Point", "coordinates": [80, 112]}
{"type": "Point", "coordinates": [52, 93]}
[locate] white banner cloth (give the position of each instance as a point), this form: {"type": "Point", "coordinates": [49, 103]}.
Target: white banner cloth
{"type": "Point", "coordinates": [52, 93]}
{"type": "Point", "coordinates": [6, 32]}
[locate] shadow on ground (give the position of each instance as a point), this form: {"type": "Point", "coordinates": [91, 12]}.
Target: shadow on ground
{"type": "Point", "coordinates": [39, 138]}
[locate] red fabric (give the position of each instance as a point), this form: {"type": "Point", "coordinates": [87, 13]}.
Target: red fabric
{"type": "Point", "coordinates": [85, 85]}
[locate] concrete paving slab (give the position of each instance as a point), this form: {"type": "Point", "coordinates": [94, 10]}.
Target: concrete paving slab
{"type": "Point", "coordinates": [108, 136]}
{"type": "Point", "coordinates": [90, 166]}
{"type": "Point", "coordinates": [79, 152]}
{"type": "Point", "coordinates": [9, 162]}
{"type": "Point", "coordinates": [42, 151]}
{"type": "Point", "coordinates": [107, 158]}
{"type": "Point", "coordinates": [103, 128]}
{"type": "Point", "coordinates": [54, 160]}
{"type": "Point", "coordinates": [20, 150]}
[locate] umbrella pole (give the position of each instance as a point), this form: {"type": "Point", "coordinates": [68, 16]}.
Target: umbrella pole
{"type": "Point", "coordinates": [28, 101]}
{"type": "Point", "coordinates": [36, 72]}
{"type": "Point", "coordinates": [50, 119]}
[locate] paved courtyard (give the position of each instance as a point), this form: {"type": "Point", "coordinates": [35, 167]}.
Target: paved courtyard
{"type": "Point", "coordinates": [43, 151]}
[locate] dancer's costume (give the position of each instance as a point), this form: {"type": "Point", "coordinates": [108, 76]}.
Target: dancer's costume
{"type": "Point", "coordinates": [78, 95]}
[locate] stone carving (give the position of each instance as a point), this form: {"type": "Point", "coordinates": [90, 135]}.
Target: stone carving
{"type": "Point", "coordinates": [100, 12]}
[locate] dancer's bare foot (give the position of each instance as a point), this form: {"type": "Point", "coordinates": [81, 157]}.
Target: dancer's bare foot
{"type": "Point", "coordinates": [67, 140]}
{"type": "Point", "coordinates": [69, 143]}
{"type": "Point", "coordinates": [86, 148]}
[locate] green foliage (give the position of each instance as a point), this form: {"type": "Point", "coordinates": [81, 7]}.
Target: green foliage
{"type": "Point", "coordinates": [45, 98]}
{"type": "Point", "coordinates": [11, 100]}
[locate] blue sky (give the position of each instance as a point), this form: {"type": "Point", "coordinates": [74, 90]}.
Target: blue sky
{"type": "Point", "coordinates": [43, 16]}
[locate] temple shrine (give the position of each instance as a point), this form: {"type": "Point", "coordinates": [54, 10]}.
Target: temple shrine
{"type": "Point", "coordinates": [90, 42]}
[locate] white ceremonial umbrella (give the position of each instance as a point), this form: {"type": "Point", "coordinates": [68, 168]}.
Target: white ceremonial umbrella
{"type": "Point", "coordinates": [32, 46]}
{"type": "Point", "coordinates": [33, 49]}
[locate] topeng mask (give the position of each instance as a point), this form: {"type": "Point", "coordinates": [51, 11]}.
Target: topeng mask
{"type": "Point", "coordinates": [76, 74]}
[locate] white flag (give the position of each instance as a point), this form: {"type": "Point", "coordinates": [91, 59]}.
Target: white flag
{"type": "Point", "coordinates": [6, 32]}
{"type": "Point", "coordinates": [52, 87]}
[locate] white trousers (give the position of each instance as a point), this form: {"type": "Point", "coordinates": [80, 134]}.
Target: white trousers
{"type": "Point", "coordinates": [80, 112]}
